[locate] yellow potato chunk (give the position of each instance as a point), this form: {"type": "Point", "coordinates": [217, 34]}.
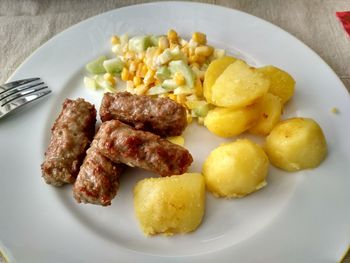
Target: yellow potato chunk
{"type": "Point", "coordinates": [170, 205]}
{"type": "Point", "coordinates": [281, 83]}
{"type": "Point", "coordinates": [236, 169]}
{"type": "Point", "coordinates": [228, 122]}
{"type": "Point", "coordinates": [296, 144]}
{"type": "Point", "coordinates": [216, 67]}
{"type": "Point", "coordinates": [271, 109]}
{"type": "Point", "coordinates": [238, 86]}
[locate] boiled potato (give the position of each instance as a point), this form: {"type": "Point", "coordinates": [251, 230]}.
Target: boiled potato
{"type": "Point", "coordinates": [236, 169]}
{"type": "Point", "coordinates": [271, 109]}
{"type": "Point", "coordinates": [216, 67]}
{"type": "Point", "coordinates": [227, 122]}
{"type": "Point", "coordinates": [281, 83]}
{"type": "Point", "coordinates": [170, 205]}
{"type": "Point", "coordinates": [296, 144]}
{"type": "Point", "coordinates": [238, 86]}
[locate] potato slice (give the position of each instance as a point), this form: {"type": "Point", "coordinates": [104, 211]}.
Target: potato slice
{"type": "Point", "coordinates": [236, 169]}
{"type": "Point", "coordinates": [216, 67]}
{"type": "Point", "coordinates": [238, 86]}
{"type": "Point", "coordinates": [271, 109]}
{"type": "Point", "coordinates": [281, 83]}
{"type": "Point", "coordinates": [227, 122]}
{"type": "Point", "coordinates": [296, 144]}
{"type": "Point", "coordinates": [170, 205]}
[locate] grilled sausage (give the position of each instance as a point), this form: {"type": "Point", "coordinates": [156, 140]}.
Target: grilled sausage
{"type": "Point", "coordinates": [123, 144]}
{"type": "Point", "coordinates": [161, 116]}
{"type": "Point", "coordinates": [71, 135]}
{"type": "Point", "coordinates": [98, 179]}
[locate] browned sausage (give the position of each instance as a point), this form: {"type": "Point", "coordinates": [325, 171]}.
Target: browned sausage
{"type": "Point", "coordinates": [161, 116]}
{"type": "Point", "coordinates": [123, 144]}
{"type": "Point", "coordinates": [98, 179]}
{"type": "Point", "coordinates": [71, 135]}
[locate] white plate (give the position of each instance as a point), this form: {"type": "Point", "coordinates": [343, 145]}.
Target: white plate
{"type": "Point", "coordinates": [298, 217]}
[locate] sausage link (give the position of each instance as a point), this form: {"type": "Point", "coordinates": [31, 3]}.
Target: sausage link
{"type": "Point", "coordinates": [71, 135]}
{"type": "Point", "coordinates": [98, 179]}
{"type": "Point", "coordinates": [123, 144]}
{"type": "Point", "coordinates": [161, 116]}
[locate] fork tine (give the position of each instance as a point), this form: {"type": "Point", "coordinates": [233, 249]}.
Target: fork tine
{"type": "Point", "coordinates": [19, 102]}
{"type": "Point", "coordinates": [9, 92]}
{"type": "Point", "coordinates": [20, 94]}
{"type": "Point", "coordinates": [7, 86]}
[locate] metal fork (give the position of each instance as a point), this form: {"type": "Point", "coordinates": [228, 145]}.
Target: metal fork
{"type": "Point", "coordinates": [16, 94]}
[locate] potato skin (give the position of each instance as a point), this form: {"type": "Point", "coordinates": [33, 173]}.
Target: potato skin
{"type": "Point", "coordinates": [170, 205]}
{"type": "Point", "coordinates": [296, 144]}
{"type": "Point", "coordinates": [271, 110]}
{"type": "Point", "coordinates": [281, 83]}
{"type": "Point", "coordinates": [236, 169]}
{"type": "Point", "coordinates": [227, 122]}
{"type": "Point", "coordinates": [238, 86]}
{"type": "Point", "coordinates": [216, 67]}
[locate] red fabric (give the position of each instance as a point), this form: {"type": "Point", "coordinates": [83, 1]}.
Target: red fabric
{"type": "Point", "coordinates": [344, 18]}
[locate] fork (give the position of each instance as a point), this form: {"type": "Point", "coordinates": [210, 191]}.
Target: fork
{"type": "Point", "coordinates": [16, 94]}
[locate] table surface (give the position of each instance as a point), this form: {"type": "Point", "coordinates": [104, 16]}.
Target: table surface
{"type": "Point", "coordinates": [27, 24]}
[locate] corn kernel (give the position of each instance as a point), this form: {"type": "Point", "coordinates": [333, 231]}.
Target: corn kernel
{"type": "Point", "coordinates": [179, 79]}
{"type": "Point", "coordinates": [109, 77]}
{"type": "Point", "coordinates": [115, 40]}
{"type": "Point", "coordinates": [141, 55]}
{"type": "Point", "coordinates": [125, 74]}
{"type": "Point", "coordinates": [129, 85]}
{"type": "Point", "coordinates": [172, 96]}
{"type": "Point", "coordinates": [172, 36]}
{"type": "Point", "coordinates": [141, 89]}
{"type": "Point", "coordinates": [189, 118]}
{"type": "Point", "coordinates": [181, 99]}
{"type": "Point", "coordinates": [195, 65]}
{"type": "Point", "coordinates": [144, 70]}
{"type": "Point", "coordinates": [205, 51]}
{"type": "Point", "coordinates": [191, 51]}
{"type": "Point", "coordinates": [200, 38]}
{"type": "Point", "coordinates": [198, 88]}
{"type": "Point", "coordinates": [137, 81]}
{"type": "Point", "coordinates": [149, 77]}
{"type": "Point", "coordinates": [173, 45]}
{"type": "Point", "coordinates": [129, 55]}
{"type": "Point", "coordinates": [185, 50]}
{"type": "Point", "coordinates": [163, 43]}
{"type": "Point", "coordinates": [133, 66]}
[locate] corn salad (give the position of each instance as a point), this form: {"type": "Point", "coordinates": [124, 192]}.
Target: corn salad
{"type": "Point", "coordinates": [163, 66]}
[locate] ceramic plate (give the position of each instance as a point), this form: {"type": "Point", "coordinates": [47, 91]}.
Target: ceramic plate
{"type": "Point", "coordinates": [298, 217]}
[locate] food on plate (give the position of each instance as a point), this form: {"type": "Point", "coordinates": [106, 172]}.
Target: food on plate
{"type": "Point", "coordinates": [281, 83]}
{"type": "Point", "coordinates": [179, 140]}
{"type": "Point", "coordinates": [270, 113]}
{"type": "Point", "coordinates": [238, 86]}
{"type": "Point", "coordinates": [296, 144]}
{"type": "Point", "coordinates": [155, 65]}
{"type": "Point", "coordinates": [228, 122]}
{"type": "Point", "coordinates": [215, 69]}
{"type": "Point", "coordinates": [98, 179]}
{"type": "Point", "coordinates": [123, 144]}
{"type": "Point", "coordinates": [236, 169]}
{"type": "Point", "coordinates": [71, 135]}
{"type": "Point", "coordinates": [161, 116]}
{"type": "Point", "coordinates": [170, 205]}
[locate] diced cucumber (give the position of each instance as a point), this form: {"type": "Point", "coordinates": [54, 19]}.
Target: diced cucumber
{"type": "Point", "coordinates": [165, 57]}
{"type": "Point", "coordinates": [169, 84]}
{"type": "Point", "coordinates": [102, 83]}
{"type": "Point", "coordinates": [114, 65]}
{"type": "Point", "coordinates": [163, 73]}
{"type": "Point", "coordinates": [154, 40]}
{"type": "Point", "coordinates": [156, 90]}
{"type": "Point", "coordinates": [96, 66]}
{"type": "Point", "coordinates": [90, 83]}
{"type": "Point", "coordinates": [139, 43]}
{"type": "Point", "coordinates": [124, 38]}
{"type": "Point", "coordinates": [201, 110]}
{"type": "Point", "coordinates": [185, 70]}
{"type": "Point", "coordinates": [177, 54]}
